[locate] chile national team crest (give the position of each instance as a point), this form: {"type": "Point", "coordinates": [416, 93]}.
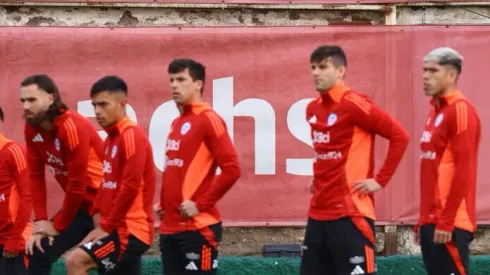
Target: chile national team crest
{"type": "Point", "coordinates": [438, 120]}
{"type": "Point", "coordinates": [332, 118]}
{"type": "Point", "coordinates": [185, 128]}
{"type": "Point", "coordinates": [57, 144]}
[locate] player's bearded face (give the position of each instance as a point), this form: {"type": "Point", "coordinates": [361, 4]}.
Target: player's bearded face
{"type": "Point", "coordinates": [325, 74]}
{"type": "Point", "coordinates": [35, 104]}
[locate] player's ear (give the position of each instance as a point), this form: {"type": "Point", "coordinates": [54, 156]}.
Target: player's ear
{"type": "Point", "coordinates": [51, 98]}
{"type": "Point", "coordinates": [199, 84]}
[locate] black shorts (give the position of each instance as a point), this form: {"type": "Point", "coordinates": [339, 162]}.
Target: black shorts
{"type": "Point", "coordinates": [106, 253]}
{"type": "Point", "coordinates": [444, 259]}
{"type": "Point", "coordinates": [339, 247]}
{"type": "Point", "coordinates": [40, 263]}
{"type": "Point", "coordinates": [191, 252]}
{"type": "Point", "coordinates": [13, 266]}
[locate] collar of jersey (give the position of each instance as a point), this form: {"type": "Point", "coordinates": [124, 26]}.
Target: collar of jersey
{"type": "Point", "coordinates": [447, 99]}
{"type": "Point", "coordinates": [118, 127]}
{"type": "Point", "coordinates": [335, 93]}
{"type": "Point", "coordinates": [60, 119]}
{"type": "Point", "coordinates": [195, 108]}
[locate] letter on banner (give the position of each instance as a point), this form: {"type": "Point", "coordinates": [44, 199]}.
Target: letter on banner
{"type": "Point", "coordinates": [264, 119]}
{"type": "Point", "coordinates": [299, 127]}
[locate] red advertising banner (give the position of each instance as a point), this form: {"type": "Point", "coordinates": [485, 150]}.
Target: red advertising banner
{"type": "Point", "coordinates": [258, 80]}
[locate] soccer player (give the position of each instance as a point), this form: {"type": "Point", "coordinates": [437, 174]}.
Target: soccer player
{"type": "Point", "coordinates": [15, 206]}
{"type": "Point", "coordinates": [197, 144]}
{"type": "Point", "coordinates": [448, 167]}
{"type": "Point", "coordinates": [340, 229]}
{"type": "Point", "coordinates": [70, 147]}
{"type": "Point", "coordinates": [125, 198]}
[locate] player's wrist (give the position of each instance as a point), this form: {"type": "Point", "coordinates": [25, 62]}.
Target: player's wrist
{"type": "Point", "coordinates": [201, 207]}
{"type": "Point", "coordinates": [445, 227]}
{"type": "Point", "coordinates": [381, 181]}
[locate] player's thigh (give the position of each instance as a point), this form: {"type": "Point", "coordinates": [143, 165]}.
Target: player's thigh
{"type": "Point", "coordinates": [13, 266]}
{"type": "Point", "coordinates": [130, 261]}
{"type": "Point", "coordinates": [443, 259]}
{"type": "Point", "coordinates": [350, 241]}
{"type": "Point", "coordinates": [79, 228]}
{"type": "Point", "coordinates": [428, 248]}
{"type": "Point", "coordinates": [315, 258]}
{"type": "Point", "coordinates": [200, 250]}
{"type": "Point", "coordinates": [104, 252]}
{"type": "Point", "coordinates": [172, 259]}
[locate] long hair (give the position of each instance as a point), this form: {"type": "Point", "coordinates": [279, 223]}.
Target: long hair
{"type": "Point", "coordinates": [45, 83]}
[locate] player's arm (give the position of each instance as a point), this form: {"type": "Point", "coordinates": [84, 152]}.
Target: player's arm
{"type": "Point", "coordinates": [76, 156]}
{"type": "Point", "coordinates": [134, 161]}
{"type": "Point", "coordinates": [17, 165]}
{"type": "Point", "coordinates": [462, 135]}
{"type": "Point", "coordinates": [371, 118]}
{"type": "Point", "coordinates": [222, 149]}
{"type": "Point", "coordinates": [37, 181]}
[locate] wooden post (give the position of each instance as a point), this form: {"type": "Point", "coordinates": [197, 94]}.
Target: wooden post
{"type": "Point", "coordinates": [391, 243]}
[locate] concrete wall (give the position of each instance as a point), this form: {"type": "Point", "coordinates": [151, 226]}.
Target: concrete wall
{"type": "Point", "coordinates": [249, 241]}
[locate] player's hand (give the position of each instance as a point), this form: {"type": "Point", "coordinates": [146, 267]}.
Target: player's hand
{"type": "Point", "coordinates": [188, 209]}
{"type": "Point", "coordinates": [45, 228]}
{"type": "Point", "coordinates": [311, 186]}
{"type": "Point", "coordinates": [94, 235]}
{"type": "Point", "coordinates": [35, 240]}
{"type": "Point", "coordinates": [442, 237]}
{"type": "Point", "coordinates": [8, 254]}
{"type": "Point", "coordinates": [366, 186]}
{"type": "Point", "coordinates": [158, 209]}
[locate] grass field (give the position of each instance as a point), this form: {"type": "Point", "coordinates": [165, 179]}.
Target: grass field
{"type": "Point", "coordinates": [394, 265]}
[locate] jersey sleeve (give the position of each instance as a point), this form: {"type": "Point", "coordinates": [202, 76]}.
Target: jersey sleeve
{"type": "Point", "coordinates": [133, 148]}
{"type": "Point", "coordinates": [17, 164]}
{"type": "Point", "coordinates": [37, 180]}
{"type": "Point", "coordinates": [463, 137]}
{"type": "Point", "coordinates": [76, 156]}
{"type": "Point", "coordinates": [371, 118]}
{"type": "Point", "coordinates": [223, 151]}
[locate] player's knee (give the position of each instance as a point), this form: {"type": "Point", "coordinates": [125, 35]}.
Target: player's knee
{"type": "Point", "coordinates": [77, 260]}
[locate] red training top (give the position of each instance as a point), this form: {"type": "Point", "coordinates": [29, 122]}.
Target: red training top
{"type": "Point", "coordinates": [15, 197]}
{"type": "Point", "coordinates": [125, 198]}
{"type": "Point", "coordinates": [73, 152]}
{"type": "Point", "coordinates": [343, 127]}
{"type": "Point", "coordinates": [197, 144]}
{"type": "Point", "coordinates": [449, 144]}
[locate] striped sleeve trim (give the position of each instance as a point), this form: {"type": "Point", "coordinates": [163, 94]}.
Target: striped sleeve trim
{"type": "Point", "coordinates": [19, 158]}
{"type": "Point", "coordinates": [218, 126]}
{"type": "Point", "coordinates": [71, 133]}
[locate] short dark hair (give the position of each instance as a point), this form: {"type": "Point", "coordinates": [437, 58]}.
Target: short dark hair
{"type": "Point", "coordinates": [333, 51]}
{"type": "Point", "coordinates": [1, 114]}
{"type": "Point", "coordinates": [109, 83]}
{"type": "Point", "coordinates": [196, 70]}
{"type": "Point", "coordinates": [46, 84]}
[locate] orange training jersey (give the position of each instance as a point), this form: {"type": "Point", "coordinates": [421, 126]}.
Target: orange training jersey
{"type": "Point", "coordinates": [15, 197]}
{"type": "Point", "coordinates": [448, 164]}
{"type": "Point", "coordinates": [197, 144]}
{"type": "Point", "coordinates": [72, 151]}
{"type": "Point", "coordinates": [125, 198]}
{"type": "Point", "coordinates": [343, 127]}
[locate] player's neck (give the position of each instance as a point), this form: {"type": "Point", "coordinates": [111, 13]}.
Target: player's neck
{"type": "Point", "coordinates": [46, 125]}
{"type": "Point", "coordinates": [445, 92]}
{"type": "Point", "coordinates": [194, 100]}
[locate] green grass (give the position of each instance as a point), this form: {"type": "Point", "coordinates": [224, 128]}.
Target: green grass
{"type": "Point", "coordinates": [399, 265]}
